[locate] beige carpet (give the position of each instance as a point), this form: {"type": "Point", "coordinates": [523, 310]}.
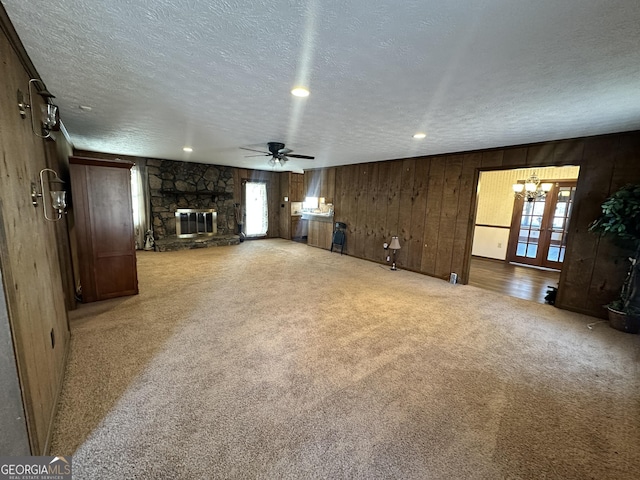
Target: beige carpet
{"type": "Point", "coordinates": [273, 359]}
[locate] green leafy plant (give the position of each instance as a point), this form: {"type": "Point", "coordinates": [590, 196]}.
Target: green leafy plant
{"type": "Point", "coordinates": [620, 220]}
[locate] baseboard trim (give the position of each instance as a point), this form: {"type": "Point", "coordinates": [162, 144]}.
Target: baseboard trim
{"type": "Point", "coordinates": [54, 409]}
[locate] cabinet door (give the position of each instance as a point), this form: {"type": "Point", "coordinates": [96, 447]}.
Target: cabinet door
{"type": "Point", "coordinates": [112, 229]}
{"type": "Point", "coordinates": [297, 187]}
{"type": "Point", "coordinates": [104, 231]}
{"type": "Point", "coordinates": [320, 234]}
{"type": "Point", "coordinates": [295, 228]}
{"type": "Point", "coordinates": [327, 235]}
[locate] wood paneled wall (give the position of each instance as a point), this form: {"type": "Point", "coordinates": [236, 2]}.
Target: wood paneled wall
{"type": "Point", "coordinates": [58, 154]}
{"type": "Point", "coordinates": [285, 206]}
{"type": "Point", "coordinates": [430, 202]}
{"type": "Point", "coordinates": [30, 265]}
{"type": "Point", "coordinates": [595, 268]}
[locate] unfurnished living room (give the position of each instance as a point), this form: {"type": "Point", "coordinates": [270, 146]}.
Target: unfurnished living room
{"type": "Point", "coordinates": [320, 239]}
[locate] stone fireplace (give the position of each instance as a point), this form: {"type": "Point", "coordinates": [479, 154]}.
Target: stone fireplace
{"type": "Point", "coordinates": [186, 195]}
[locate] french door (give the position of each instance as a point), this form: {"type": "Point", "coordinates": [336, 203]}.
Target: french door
{"type": "Point", "coordinates": [539, 227]}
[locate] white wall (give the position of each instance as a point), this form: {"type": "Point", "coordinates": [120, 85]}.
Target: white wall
{"type": "Point", "coordinates": [490, 242]}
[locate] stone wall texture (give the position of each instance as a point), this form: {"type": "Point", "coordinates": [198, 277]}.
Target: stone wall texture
{"type": "Point", "coordinates": [174, 185]}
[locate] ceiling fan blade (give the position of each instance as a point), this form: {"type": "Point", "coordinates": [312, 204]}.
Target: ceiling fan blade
{"type": "Point", "coordinates": [301, 156]}
{"type": "Point", "coordinates": [252, 150]}
{"type": "Point", "coordinates": [284, 151]}
{"type": "Point", "coordinates": [261, 155]}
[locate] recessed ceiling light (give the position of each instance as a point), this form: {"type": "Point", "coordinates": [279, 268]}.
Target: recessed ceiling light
{"type": "Point", "coordinates": [419, 136]}
{"type": "Point", "coordinates": [300, 92]}
{"type": "Point", "coordinates": [187, 149]}
{"type": "Point", "coordinates": [85, 108]}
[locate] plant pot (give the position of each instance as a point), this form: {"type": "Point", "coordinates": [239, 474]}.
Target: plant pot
{"type": "Point", "coordinates": [624, 322]}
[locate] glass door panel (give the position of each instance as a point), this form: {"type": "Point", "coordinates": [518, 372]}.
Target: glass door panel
{"type": "Point", "coordinates": [541, 227]}
{"type": "Point", "coordinates": [563, 197]}
{"type": "Point", "coordinates": [528, 242]}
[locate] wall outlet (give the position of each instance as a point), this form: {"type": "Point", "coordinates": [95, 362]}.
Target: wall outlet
{"type": "Point", "coordinates": [499, 245]}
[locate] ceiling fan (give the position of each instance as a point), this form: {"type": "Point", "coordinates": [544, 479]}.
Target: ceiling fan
{"type": "Point", "coordinates": [278, 153]}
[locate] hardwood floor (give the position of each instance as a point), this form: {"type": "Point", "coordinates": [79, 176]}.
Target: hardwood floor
{"type": "Point", "coordinates": [517, 281]}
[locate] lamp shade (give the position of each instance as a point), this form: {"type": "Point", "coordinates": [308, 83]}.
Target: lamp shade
{"type": "Point", "coordinates": [395, 244]}
{"type": "Point", "coordinates": [50, 116]}
{"type": "Point", "coordinates": [58, 199]}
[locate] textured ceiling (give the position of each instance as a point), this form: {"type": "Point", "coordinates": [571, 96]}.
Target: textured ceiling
{"type": "Point", "coordinates": [216, 75]}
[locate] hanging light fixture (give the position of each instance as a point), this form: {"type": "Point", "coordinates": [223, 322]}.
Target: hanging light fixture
{"type": "Point", "coordinates": [531, 189]}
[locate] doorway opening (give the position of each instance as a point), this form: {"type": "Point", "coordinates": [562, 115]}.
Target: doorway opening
{"type": "Point", "coordinates": [256, 209]}
{"type": "Point", "coordinates": [518, 246]}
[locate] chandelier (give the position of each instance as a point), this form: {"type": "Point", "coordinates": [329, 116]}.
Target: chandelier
{"type": "Point", "coordinates": [532, 189]}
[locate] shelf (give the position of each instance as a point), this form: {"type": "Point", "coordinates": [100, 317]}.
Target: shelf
{"type": "Point", "coordinates": [207, 193]}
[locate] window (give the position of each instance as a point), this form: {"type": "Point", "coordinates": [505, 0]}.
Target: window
{"type": "Point", "coordinates": [310, 202]}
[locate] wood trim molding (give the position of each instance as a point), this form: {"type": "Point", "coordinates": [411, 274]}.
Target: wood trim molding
{"type": "Point", "coordinates": [54, 413]}
{"type": "Point", "coordinates": [492, 226]}
{"type": "Point", "coordinates": [101, 162]}
{"type": "Point", "coordinates": [10, 32]}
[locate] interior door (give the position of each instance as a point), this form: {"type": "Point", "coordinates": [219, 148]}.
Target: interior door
{"type": "Point", "coordinates": [539, 227]}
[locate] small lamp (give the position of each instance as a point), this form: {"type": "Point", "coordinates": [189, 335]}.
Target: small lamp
{"type": "Point", "coordinates": [58, 201]}
{"type": "Point", "coordinates": [395, 245]}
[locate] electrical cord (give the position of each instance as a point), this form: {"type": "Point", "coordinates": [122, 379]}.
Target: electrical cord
{"type": "Point", "coordinates": [591, 325]}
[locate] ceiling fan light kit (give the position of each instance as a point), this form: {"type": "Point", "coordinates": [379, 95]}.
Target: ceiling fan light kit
{"type": "Point", "coordinates": [278, 153]}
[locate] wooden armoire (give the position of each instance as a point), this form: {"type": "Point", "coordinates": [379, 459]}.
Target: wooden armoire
{"type": "Point", "coordinates": [103, 227]}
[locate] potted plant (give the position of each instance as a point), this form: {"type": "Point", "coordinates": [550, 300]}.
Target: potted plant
{"type": "Point", "coordinates": [620, 220]}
